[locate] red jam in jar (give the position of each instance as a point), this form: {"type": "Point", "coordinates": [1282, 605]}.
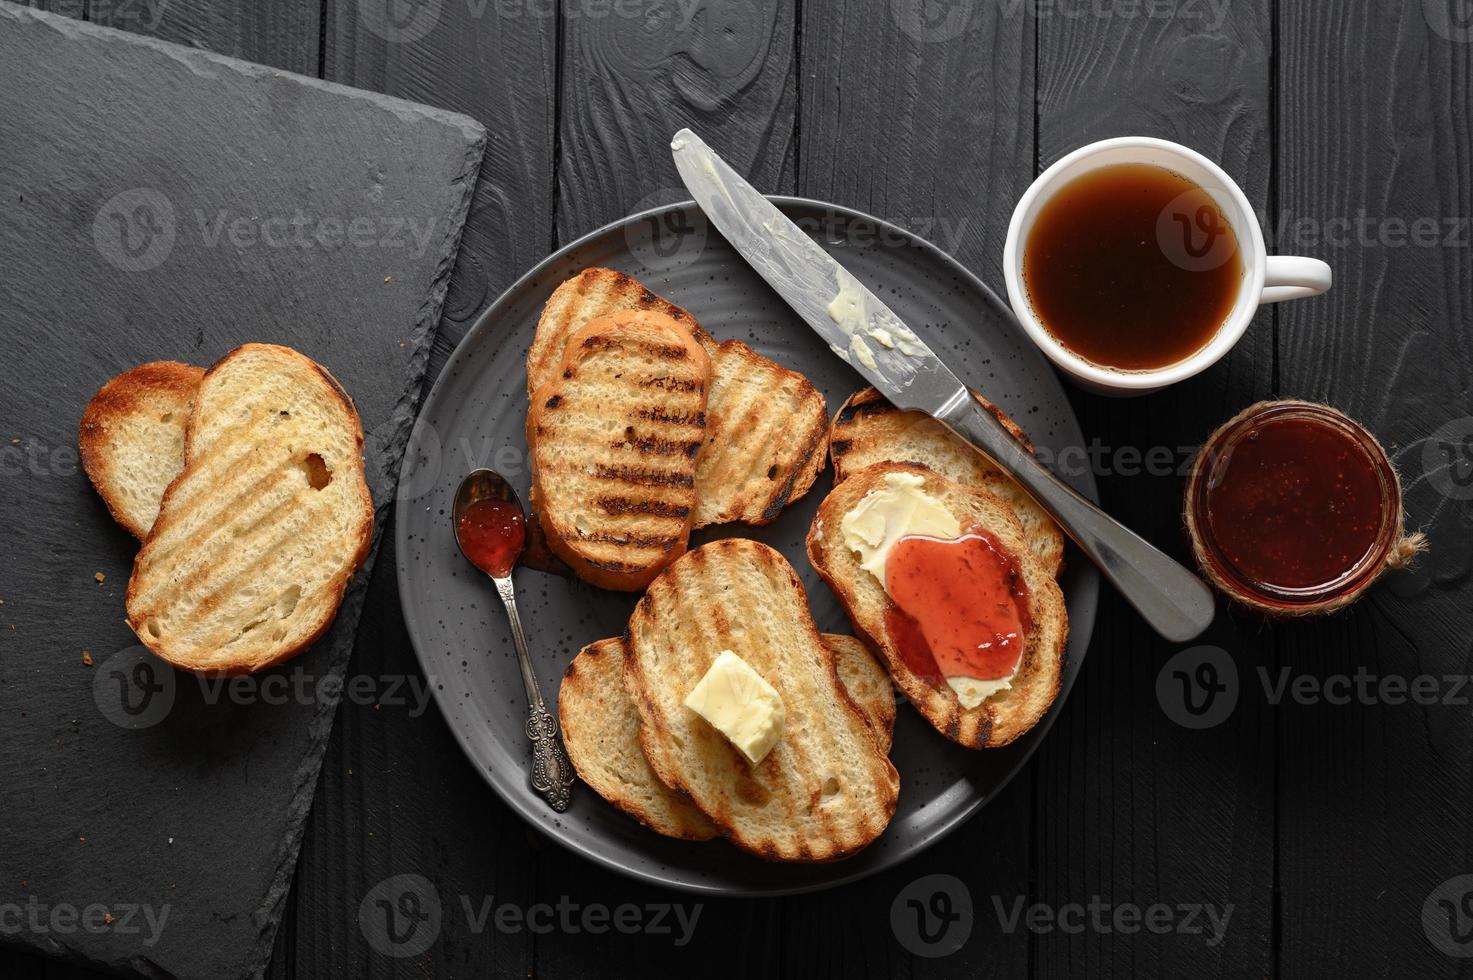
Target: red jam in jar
{"type": "Point", "coordinates": [959, 606]}
{"type": "Point", "coordinates": [1293, 504]}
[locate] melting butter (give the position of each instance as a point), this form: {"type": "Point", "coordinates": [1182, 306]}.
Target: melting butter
{"type": "Point", "coordinates": [889, 513]}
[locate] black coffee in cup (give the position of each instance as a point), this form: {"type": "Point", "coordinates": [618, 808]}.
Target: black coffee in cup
{"type": "Point", "coordinates": [1132, 266]}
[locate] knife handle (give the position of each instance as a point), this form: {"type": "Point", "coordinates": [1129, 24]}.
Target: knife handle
{"type": "Point", "coordinates": [1171, 599]}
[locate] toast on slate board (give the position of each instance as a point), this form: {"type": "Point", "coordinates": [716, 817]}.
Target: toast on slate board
{"type": "Point", "coordinates": [765, 424]}
{"type": "Point", "coordinates": [601, 730]}
{"type": "Point", "coordinates": [256, 539]}
{"type": "Point", "coordinates": [614, 438]}
{"type": "Point", "coordinates": [1003, 716]}
{"type": "Point", "coordinates": [132, 439]}
{"type": "Point", "coordinates": [825, 790]}
{"type": "Point", "coordinates": [867, 430]}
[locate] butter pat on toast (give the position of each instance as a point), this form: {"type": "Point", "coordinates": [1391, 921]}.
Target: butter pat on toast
{"type": "Point", "coordinates": [132, 439]}
{"type": "Point", "coordinates": [765, 424]}
{"type": "Point", "coordinates": [256, 539]}
{"type": "Point", "coordinates": [867, 430]}
{"type": "Point", "coordinates": [601, 731]}
{"type": "Point", "coordinates": [614, 439]}
{"type": "Point", "coordinates": [826, 789]}
{"type": "Point", "coordinates": [1002, 716]}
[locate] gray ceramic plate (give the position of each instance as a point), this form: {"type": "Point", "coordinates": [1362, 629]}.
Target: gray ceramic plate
{"type": "Point", "coordinates": [474, 415]}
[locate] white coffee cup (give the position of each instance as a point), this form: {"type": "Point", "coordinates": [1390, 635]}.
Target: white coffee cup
{"type": "Point", "coordinates": [1266, 278]}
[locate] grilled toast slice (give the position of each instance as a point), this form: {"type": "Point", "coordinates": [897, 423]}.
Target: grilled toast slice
{"type": "Point", "coordinates": [867, 430]}
{"type": "Point", "coordinates": [593, 293]}
{"type": "Point", "coordinates": [765, 424]}
{"type": "Point", "coordinates": [825, 790]}
{"type": "Point", "coordinates": [132, 439]}
{"type": "Point", "coordinates": [256, 539]}
{"type": "Point", "coordinates": [601, 730]}
{"type": "Point", "coordinates": [765, 435]}
{"type": "Point", "coordinates": [614, 439]}
{"type": "Point", "coordinates": [868, 684]}
{"type": "Point", "coordinates": [1005, 715]}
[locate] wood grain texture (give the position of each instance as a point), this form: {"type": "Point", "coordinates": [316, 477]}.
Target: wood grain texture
{"type": "Point", "coordinates": [928, 120]}
{"type": "Point", "coordinates": [1134, 808]}
{"type": "Point", "coordinates": [634, 77]}
{"type": "Point", "coordinates": [1376, 124]}
{"type": "Point", "coordinates": [496, 61]}
{"type": "Point", "coordinates": [279, 33]}
{"type": "Point", "coordinates": [922, 115]}
{"type": "Point", "coordinates": [66, 8]}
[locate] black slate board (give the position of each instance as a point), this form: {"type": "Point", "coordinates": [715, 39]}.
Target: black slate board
{"type": "Point", "coordinates": [167, 203]}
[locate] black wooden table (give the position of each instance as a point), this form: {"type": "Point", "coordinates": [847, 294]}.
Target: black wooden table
{"type": "Point", "coordinates": [1319, 828]}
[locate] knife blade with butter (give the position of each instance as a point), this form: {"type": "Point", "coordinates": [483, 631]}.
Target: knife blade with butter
{"type": "Point", "coordinates": [861, 329]}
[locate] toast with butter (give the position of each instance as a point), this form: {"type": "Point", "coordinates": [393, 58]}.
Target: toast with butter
{"type": "Point", "coordinates": [765, 424]}
{"type": "Point", "coordinates": [825, 789]}
{"type": "Point", "coordinates": [601, 731]}
{"type": "Point", "coordinates": [867, 430]}
{"type": "Point", "coordinates": [614, 440]}
{"type": "Point", "coordinates": [131, 439]}
{"type": "Point", "coordinates": [1003, 715]}
{"type": "Point", "coordinates": [258, 535]}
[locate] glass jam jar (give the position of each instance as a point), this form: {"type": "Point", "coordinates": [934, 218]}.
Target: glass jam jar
{"type": "Point", "coordinates": [1294, 509]}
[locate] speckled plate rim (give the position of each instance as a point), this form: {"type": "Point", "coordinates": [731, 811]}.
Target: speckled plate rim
{"type": "Point", "coordinates": [1083, 601]}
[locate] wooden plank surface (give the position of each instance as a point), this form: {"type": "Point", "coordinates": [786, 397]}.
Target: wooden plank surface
{"type": "Point", "coordinates": [926, 116]}
{"type": "Point", "coordinates": [66, 8]}
{"type": "Point", "coordinates": [494, 60]}
{"type": "Point", "coordinates": [279, 33]}
{"type": "Point", "coordinates": [1375, 178]}
{"type": "Point", "coordinates": [928, 123]}
{"type": "Point", "coordinates": [631, 79]}
{"type": "Point", "coordinates": [1135, 810]}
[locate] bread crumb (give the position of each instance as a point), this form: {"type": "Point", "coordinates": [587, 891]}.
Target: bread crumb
{"type": "Point", "coordinates": [388, 278]}
{"type": "Point", "coordinates": [86, 658]}
{"type": "Point", "coordinates": [100, 578]}
{"type": "Point", "coordinates": [107, 917]}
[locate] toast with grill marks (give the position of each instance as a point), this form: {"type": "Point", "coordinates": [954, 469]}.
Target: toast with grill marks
{"type": "Point", "coordinates": [593, 293]}
{"type": "Point", "coordinates": [257, 537]}
{"type": "Point", "coordinates": [1005, 715]}
{"type": "Point", "coordinates": [825, 790]}
{"type": "Point", "coordinates": [601, 730]}
{"type": "Point", "coordinates": [614, 439]}
{"type": "Point", "coordinates": [765, 424]}
{"type": "Point", "coordinates": [867, 430]}
{"type": "Point", "coordinates": [765, 435]}
{"type": "Point", "coordinates": [131, 439]}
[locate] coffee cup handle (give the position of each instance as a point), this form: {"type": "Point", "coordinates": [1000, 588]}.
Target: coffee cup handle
{"type": "Point", "coordinates": [1294, 277]}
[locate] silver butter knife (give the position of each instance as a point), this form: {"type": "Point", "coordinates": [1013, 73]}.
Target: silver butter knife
{"type": "Point", "coordinates": [861, 329]}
